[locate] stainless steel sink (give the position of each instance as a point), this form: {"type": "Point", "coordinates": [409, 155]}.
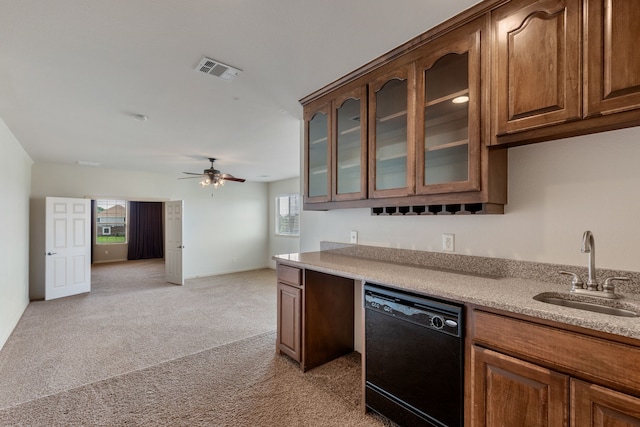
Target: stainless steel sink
{"type": "Point", "coordinates": [612, 307]}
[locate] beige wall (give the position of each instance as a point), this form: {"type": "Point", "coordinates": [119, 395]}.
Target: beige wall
{"type": "Point", "coordinates": [225, 230]}
{"type": "Point", "coordinates": [15, 182]}
{"type": "Point", "coordinates": [281, 244]}
{"type": "Point", "coordinates": [109, 253]}
{"type": "Point", "coordinates": [557, 190]}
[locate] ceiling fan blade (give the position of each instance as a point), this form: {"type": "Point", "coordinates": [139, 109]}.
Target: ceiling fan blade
{"type": "Point", "coordinates": [192, 173]}
{"type": "Point", "coordinates": [228, 177]}
{"type": "Point", "coordinates": [191, 177]}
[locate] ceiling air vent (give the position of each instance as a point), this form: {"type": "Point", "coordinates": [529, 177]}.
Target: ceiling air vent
{"type": "Point", "coordinates": [217, 69]}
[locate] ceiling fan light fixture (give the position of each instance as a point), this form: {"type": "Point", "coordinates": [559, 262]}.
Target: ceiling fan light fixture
{"type": "Point", "coordinates": [212, 176]}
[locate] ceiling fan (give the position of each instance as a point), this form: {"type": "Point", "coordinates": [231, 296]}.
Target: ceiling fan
{"type": "Point", "coordinates": [212, 176]}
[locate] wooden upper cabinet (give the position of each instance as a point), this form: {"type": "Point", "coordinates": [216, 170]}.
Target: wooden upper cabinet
{"type": "Point", "coordinates": [612, 61]}
{"type": "Point", "coordinates": [350, 145]}
{"type": "Point", "coordinates": [536, 72]}
{"type": "Point", "coordinates": [317, 119]}
{"type": "Point", "coordinates": [448, 117]}
{"type": "Point", "coordinates": [391, 133]}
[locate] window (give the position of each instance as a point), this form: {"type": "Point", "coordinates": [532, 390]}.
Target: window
{"type": "Point", "coordinates": [111, 221]}
{"type": "Point", "coordinates": [288, 215]}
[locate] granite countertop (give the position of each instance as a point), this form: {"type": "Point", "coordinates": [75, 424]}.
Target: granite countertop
{"type": "Point", "coordinates": [505, 293]}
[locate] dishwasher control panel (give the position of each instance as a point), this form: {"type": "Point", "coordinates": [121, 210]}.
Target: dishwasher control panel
{"type": "Point", "coordinates": [422, 311]}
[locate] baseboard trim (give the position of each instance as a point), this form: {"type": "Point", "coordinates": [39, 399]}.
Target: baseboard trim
{"type": "Point", "coordinates": [12, 325]}
{"type": "Point", "coordinates": [110, 260]}
{"type": "Point", "coordinates": [200, 276]}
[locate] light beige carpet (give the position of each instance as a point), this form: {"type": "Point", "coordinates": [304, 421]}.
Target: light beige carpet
{"type": "Point", "coordinates": [239, 384]}
{"type": "Point", "coordinates": [132, 319]}
{"type": "Point", "coordinates": [138, 351]}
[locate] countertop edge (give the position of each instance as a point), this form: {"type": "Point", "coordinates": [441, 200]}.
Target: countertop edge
{"type": "Point", "coordinates": [512, 295]}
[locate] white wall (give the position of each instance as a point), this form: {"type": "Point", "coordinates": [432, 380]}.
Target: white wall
{"type": "Point", "coordinates": [15, 183]}
{"type": "Point", "coordinates": [281, 244]}
{"type": "Point", "coordinates": [222, 234]}
{"type": "Point", "coordinates": [227, 232]}
{"type": "Point", "coordinates": [557, 190]}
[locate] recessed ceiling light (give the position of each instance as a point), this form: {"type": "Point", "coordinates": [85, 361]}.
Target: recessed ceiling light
{"type": "Point", "coordinates": [140, 117]}
{"type": "Point", "coordinates": [87, 163]}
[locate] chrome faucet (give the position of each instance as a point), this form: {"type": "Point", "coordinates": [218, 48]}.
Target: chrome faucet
{"type": "Point", "coordinates": [589, 247]}
{"type": "Point", "coordinates": [592, 288]}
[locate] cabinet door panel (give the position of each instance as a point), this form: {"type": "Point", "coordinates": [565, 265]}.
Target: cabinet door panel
{"type": "Point", "coordinates": [317, 154]}
{"type": "Point", "coordinates": [595, 406]}
{"type": "Point", "coordinates": [350, 148]}
{"type": "Point", "coordinates": [536, 69]}
{"type": "Point", "coordinates": [448, 118]}
{"type": "Point", "coordinates": [612, 62]}
{"type": "Point", "coordinates": [289, 320]}
{"type": "Point", "coordinates": [391, 134]}
{"type": "Point", "coordinates": [510, 392]}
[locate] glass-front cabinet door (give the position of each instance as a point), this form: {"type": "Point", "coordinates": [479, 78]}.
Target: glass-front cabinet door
{"type": "Point", "coordinates": [448, 117]}
{"type": "Point", "coordinates": [391, 166]}
{"type": "Point", "coordinates": [350, 146]}
{"type": "Point", "coordinates": [317, 155]}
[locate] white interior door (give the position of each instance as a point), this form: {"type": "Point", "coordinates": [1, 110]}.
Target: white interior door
{"type": "Point", "coordinates": [173, 242]}
{"type": "Point", "coordinates": [68, 247]}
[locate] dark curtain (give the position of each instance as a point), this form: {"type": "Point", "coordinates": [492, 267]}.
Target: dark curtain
{"type": "Point", "coordinates": [93, 227]}
{"type": "Point", "coordinates": [146, 238]}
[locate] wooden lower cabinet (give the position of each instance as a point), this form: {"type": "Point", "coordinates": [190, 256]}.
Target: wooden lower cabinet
{"type": "Point", "coordinates": [595, 406]}
{"type": "Point", "coordinates": [289, 321]}
{"type": "Point", "coordinates": [511, 392]}
{"type": "Point", "coordinates": [557, 384]}
{"type": "Point", "coordinates": [328, 316]}
{"type": "Point", "coordinates": [315, 316]}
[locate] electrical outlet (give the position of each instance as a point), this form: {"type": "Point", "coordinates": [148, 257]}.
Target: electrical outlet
{"type": "Point", "coordinates": [354, 237]}
{"type": "Point", "coordinates": [448, 242]}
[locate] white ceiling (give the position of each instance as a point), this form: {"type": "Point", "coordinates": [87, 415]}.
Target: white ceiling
{"type": "Point", "coordinates": [72, 73]}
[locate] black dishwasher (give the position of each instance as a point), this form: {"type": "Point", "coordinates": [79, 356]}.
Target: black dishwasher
{"type": "Point", "coordinates": [414, 358]}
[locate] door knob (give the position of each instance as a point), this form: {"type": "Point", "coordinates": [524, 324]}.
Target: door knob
{"type": "Point", "coordinates": [51, 253]}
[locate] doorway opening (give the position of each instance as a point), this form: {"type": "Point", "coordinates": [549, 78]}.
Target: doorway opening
{"type": "Point", "coordinates": [126, 230]}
